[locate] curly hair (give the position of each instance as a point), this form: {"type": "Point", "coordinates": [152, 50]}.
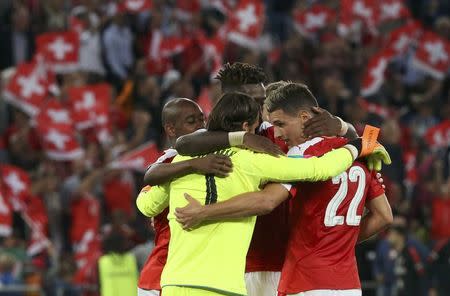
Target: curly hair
{"type": "Point", "coordinates": [237, 74]}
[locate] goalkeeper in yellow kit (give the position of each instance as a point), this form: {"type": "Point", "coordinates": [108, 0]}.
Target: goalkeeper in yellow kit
{"type": "Point", "coordinates": [210, 259]}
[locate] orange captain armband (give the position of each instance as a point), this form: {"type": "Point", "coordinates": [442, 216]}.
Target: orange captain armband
{"type": "Point", "coordinates": [369, 139]}
{"type": "Point", "coordinates": [145, 189]}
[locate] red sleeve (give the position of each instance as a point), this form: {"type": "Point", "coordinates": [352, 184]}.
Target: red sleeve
{"type": "Point", "coordinates": [375, 187]}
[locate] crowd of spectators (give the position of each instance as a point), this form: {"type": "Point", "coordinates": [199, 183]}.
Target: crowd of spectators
{"type": "Point", "coordinates": [130, 52]}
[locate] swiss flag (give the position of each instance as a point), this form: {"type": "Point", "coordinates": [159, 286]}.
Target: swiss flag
{"type": "Point", "coordinates": [393, 10]}
{"type": "Point", "coordinates": [138, 159]}
{"type": "Point", "coordinates": [313, 19]}
{"type": "Point", "coordinates": [60, 50]}
{"type": "Point", "coordinates": [35, 215]}
{"type": "Point", "coordinates": [16, 185]}
{"type": "Point", "coordinates": [213, 50]}
{"type": "Point", "coordinates": [136, 6]}
{"type": "Point", "coordinates": [246, 23]}
{"type": "Point", "coordinates": [432, 55]}
{"type": "Point", "coordinates": [184, 10]}
{"type": "Point", "coordinates": [374, 108]}
{"type": "Point", "coordinates": [354, 11]}
{"type": "Point", "coordinates": [28, 88]}
{"type": "Point", "coordinates": [53, 112]}
{"type": "Point", "coordinates": [6, 215]}
{"type": "Point", "coordinates": [87, 102]}
{"type": "Point", "coordinates": [438, 136]}
{"type": "Point", "coordinates": [85, 228]}
{"type": "Point", "coordinates": [400, 39]}
{"type": "Point", "coordinates": [59, 142]}
{"type": "Point", "coordinates": [374, 75]}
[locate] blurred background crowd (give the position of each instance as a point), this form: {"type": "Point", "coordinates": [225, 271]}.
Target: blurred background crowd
{"type": "Point", "coordinates": [82, 87]}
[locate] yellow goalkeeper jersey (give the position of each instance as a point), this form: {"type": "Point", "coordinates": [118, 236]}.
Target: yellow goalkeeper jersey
{"type": "Point", "coordinates": [213, 254]}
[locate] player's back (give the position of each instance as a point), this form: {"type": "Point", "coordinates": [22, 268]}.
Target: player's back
{"type": "Point", "coordinates": [325, 226]}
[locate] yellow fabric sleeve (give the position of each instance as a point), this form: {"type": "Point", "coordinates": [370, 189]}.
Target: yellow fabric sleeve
{"type": "Point", "coordinates": [285, 169]}
{"type": "Point", "coordinates": [154, 201]}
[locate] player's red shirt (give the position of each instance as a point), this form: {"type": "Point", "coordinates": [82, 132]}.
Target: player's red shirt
{"type": "Point", "coordinates": [325, 225]}
{"type": "Point", "coordinates": [269, 240]}
{"type": "Point", "coordinates": [150, 276]}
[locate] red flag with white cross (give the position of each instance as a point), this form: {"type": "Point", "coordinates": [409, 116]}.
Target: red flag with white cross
{"type": "Point", "coordinates": [138, 159]}
{"type": "Point", "coordinates": [16, 185]}
{"type": "Point", "coordinates": [53, 112]}
{"type": "Point", "coordinates": [375, 72]}
{"type": "Point", "coordinates": [59, 142]}
{"type": "Point", "coordinates": [432, 55]}
{"type": "Point", "coordinates": [28, 88]}
{"type": "Point", "coordinates": [438, 136]}
{"type": "Point", "coordinates": [315, 18]}
{"type": "Point", "coordinates": [401, 38]}
{"type": "Point", "coordinates": [353, 12]}
{"type": "Point", "coordinates": [60, 50]}
{"type": "Point", "coordinates": [6, 214]}
{"type": "Point", "coordinates": [246, 23]}
{"type": "Point", "coordinates": [390, 10]}
{"type": "Point", "coordinates": [136, 6]}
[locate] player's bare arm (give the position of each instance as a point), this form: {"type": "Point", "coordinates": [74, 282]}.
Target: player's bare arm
{"type": "Point", "coordinates": [378, 218]}
{"type": "Point", "coordinates": [243, 205]}
{"type": "Point", "coordinates": [207, 142]}
{"type": "Point", "coordinates": [218, 165]}
{"type": "Point", "coordinates": [325, 124]}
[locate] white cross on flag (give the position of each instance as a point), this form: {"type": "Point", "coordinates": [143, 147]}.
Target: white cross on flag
{"type": "Point", "coordinates": [6, 215]}
{"type": "Point", "coordinates": [313, 19]}
{"type": "Point", "coordinates": [138, 159]}
{"type": "Point", "coordinates": [438, 136]}
{"type": "Point", "coordinates": [59, 142]}
{"type": "Point", "coordinates": [392, 10]}
{"type": "Point", "coordinates": [433, 55]}
{"type": "Point", "coordinates": [35, 215]}
{"type": "Point", "coordinates": [60, 50]}
{"type": "Point", "coordinates": [27, 89]}
{"type": "Point", "coordinates": [400, 39]}
{"type": "Point", "coordinates": [87, 102]}
{"type": "Point", "coordinates": [136, 6]}
{"type": "Point", "coordinates": [246, 23]}
{"type": "Point", "coordinates": [374, 74]}
{"type": "Point", "coordinates": [16, 185]}
{"type": "Point", "coordinates": [53, 112]}
{"type": "Point", "coordinates": [353, 12]}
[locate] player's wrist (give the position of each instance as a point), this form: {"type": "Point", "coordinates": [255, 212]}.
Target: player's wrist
{"type": "Point", "coordinates": [344, 127]}
{"type": "Point", "coordinates": [236, 138]}
{"type": "Point", "coordinates": [355, 147]}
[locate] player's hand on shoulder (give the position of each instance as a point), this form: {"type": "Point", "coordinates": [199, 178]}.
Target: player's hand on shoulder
{"type": "Point", "coordinates": [261, 144]}
{"type": "Point", "coordinates": [190, 215]}
{"type": "Point", "coordinates": [380, 180]}
{"type": "Point", "coordinates": [219, 165]}
{"type": "Point", "coordinates": [322, 124]}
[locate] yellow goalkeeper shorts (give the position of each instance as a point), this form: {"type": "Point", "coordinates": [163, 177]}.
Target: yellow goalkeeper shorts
{"type": "Point", "coordinates": [190, 291]}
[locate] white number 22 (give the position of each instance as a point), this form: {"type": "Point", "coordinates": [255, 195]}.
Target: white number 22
{"type": "Point", "coordinates": [356, 174]}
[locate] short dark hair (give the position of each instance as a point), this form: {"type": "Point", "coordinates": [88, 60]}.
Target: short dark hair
{"type": "Point", "coordinates": [231, 111]}
{"type": "Point", "coordinates": [276, 85]}
{"type": "Point", "coordinates": [170, 112]}
{"type": "Point", "coordinates": [237, 74]}
{"type": "Point", "coordinates": [291, 98]}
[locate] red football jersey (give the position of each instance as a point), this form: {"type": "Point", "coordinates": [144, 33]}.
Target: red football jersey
{"type": "Point", "coordinates": [325, 218]}
{"type": "Point", "coordinates": [150, 276]}
{"type": "Point", "coordinates": [269, 240]}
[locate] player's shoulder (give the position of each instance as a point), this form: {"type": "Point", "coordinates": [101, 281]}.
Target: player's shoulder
{"type": "Point", "coordinates": [317, 146]}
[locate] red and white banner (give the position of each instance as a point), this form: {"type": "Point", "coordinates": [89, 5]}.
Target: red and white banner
{"type": "Point", "coordinates": [400, 39]}
{"type": "Point", "coordinates": [138, 159]}
{"type": "Point", "coordinates": [438, 136]}
{"type": "Point", "coordinates": [60, 50]}
{"type": "Point", "coordinates": [353, 12]}
{"type": "Point", "coordinates": [28, 88]}
{"type": "Point", "coordinates": [54, 113]}
{"type": "Point", "coordinates": [136, 6]}
{"type": "Point", "coordinates": [246, 23]}
{"type": "Point", "coordinates": [390, 10]}
{"type": "Point", "coordinates": [375, 72]}
{"type": "Point", "coordinates": [59, 142]}
{"type": "Point", "coordinates": [184, 10]}
{"type": "Point", "coordinates": [309, 21]}
{"type": "Point", "coordinates": [16, 185]}
{"type": "Point", "coordinates": [6, 215]}
{"type": "Point", "coordinates": [432, 55]}
{"type": "Point", "coordinates": [87, 102]}
{"type": "Point", "coordinates": [35, 215]}
{"type": "Point", "coordinates": [377, 109]}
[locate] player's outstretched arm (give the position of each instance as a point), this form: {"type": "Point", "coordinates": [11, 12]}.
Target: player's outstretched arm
{"type": "Point", "coordinates": [199, 143]}
{"type": "Point", "coordinates": [242, 205]}
{"type": "Point", "coordinates": [378, 218]}
{"type": "Point", "coordinates": [218, 165]}
{"type": "Point", "coordinates": [325, 124]}
{"type": "Point", "coordinates": [153, 200]}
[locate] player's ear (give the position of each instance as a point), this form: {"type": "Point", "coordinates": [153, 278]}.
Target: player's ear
{"type": "Point", "coordinates": [304, 115]}
{"type": "Point", "coordinates": [170, 130]}
{"type": "Point", "coordinates": [245, 126]}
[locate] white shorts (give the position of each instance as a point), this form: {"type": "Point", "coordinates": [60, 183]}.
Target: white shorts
{"type": "Point", "coordinates": [262, 283]}
{"type": "Point", "coordinates": [142, 292]}
{"type": "Point", "coordinates": [351, 292]}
